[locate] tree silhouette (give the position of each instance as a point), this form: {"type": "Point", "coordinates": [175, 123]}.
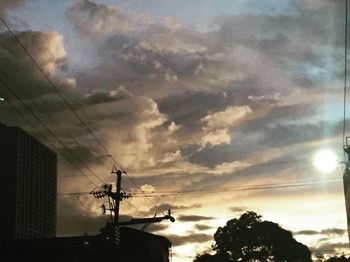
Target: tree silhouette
{"type": "Point", "coordinates": [338, 259]}
{"type": "Point", "coordinates": [212, 258]}
{"type": "Point", "coordinates": [248, 238]}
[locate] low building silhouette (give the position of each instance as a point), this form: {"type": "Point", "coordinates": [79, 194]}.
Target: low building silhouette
{"type": "Point", "coordinates": [134, 246]}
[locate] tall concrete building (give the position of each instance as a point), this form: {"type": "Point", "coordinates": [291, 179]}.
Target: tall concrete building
{"type": "Point", "coordinates": [28, 181]}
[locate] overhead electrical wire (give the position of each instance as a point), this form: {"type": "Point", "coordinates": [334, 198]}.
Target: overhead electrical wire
{"type": "Point", "coordinates": [77, 197]}
{"type": "Point", "coordinates": [62, 97]}
{"type": "Point", "coordinates": [295, 184]}
{"type": "Point", "coordinates": [159, 194]}
{"type": "Point", "coordinates": [208, 170]}
{"type": "Point", "coordinates": [141, 212]}
{"type": "Point", "coordinates": [49, 130]}
{"type": "Point", "coordinates": [312, 181]}
{"type": "Point", "coordinates": [87, 127]}
{"type": "Point", "coordinates": [345, 71]}
{"type": "Point", "coordinates": [47, 140]}
{"type": "Point", "coordinates": [42, 111]}
{"type": "Point", "coordinates": [86, 207]}
{"type": "Point", "coordinates": [230, 189]}
{"type": "Point", "coordinates": [57, 90]}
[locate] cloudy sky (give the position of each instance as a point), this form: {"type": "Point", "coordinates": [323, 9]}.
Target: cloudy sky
{"type": "Point", "coordinates": [213, 107]}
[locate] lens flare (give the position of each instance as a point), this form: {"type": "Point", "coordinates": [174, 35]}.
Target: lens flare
{"type": "Point", "coordinates": [325, 160]}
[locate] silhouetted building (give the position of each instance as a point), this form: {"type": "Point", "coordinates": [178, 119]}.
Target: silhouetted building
{"type": "Point", "coordinates": [140, 246]}
{"type": "Point", "coordinates": [346, 181]}
{"type": "Point", "coordinates": [135, 246]}
{"type": "Point", "coordinates": [28, 171]}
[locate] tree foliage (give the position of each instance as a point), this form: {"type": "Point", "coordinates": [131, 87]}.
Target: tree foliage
{"type": "Point", "coordinates": [338, 259]}
{"type": "Point", "coordinates": [248, 238]}
{"type": "Point", "coordinates": [212, 258]}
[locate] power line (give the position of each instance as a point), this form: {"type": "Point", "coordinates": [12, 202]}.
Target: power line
{"type": "Point", "coordinates": [65, 101]}
{"type": "Point", "coordinates": [141, 212]}
{"type": "Point", "coordinates": [345, 69]}
{"type": "Point", "coordinates": [56, 89]}
{"type": "Point", "coordinates": [84, 206]}
{"type": "Point", "coordinates": [61, 96]}
{"type": "Point", "coordinates": [47, 115]}
{"type": "Point", "coordinates": [229, 189]}
{"type": "Point", "coordinates": [145, 193]}
{"type": "Point", "coordinates": [296, 184]}
{"type": "Point", "coordinates": [47, 140]}
{"type": "Point", "coordinates": [78, 194]}
{"type": "Point", "coordinates": [208, 170]}
{"type": "Point", "coordinates": [312, 181]}
{"type": "Point", "coordinates": [73, 194]}
{"type": "Point", "coordinates": [49, 130]}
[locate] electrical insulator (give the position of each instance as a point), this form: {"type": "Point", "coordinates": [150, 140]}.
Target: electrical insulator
{"type": "Point", "coordinates": [98, 194]}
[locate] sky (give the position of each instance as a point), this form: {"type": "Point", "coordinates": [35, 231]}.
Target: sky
{"type": "Point", "coordinates": [213, 108]}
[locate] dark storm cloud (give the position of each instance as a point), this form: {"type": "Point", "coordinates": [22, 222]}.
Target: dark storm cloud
{"type": "Point", "coordinates": [236, 150]}
{"type": "Point", "coordinates": [157, 52]}
{"type": "Point", "coordinates": [74, 219]}
{"type": "Point", "coordinates": [193, 238]}
{"type": "Point", "coordinates": [334, 231]}
{"type": "Point", "coordinates": [84, 215]}
{"type": "Point", "coordinates": [148, 75]}
{"type": "Point", "coordinates": [183, 108]}
{"type": "Point", "coordinates": [298, 37]}
{"type": "Point", "coordinates": [203, 181]}
{"type": "Point", "coordinates": [238, 209]}
{"type": "Point", "coordinates": [202, 227]}
{"type": "Point", "coordinates": [298, 25]}
{"type": "Point", "coordinates": [101, 96]}
{"type": "Point", "coordinates": [276, 128]}
{"type": "Point", "coordinates": [143, 69]}
{"type": "Point", "coordinates": [5, 5]}
{"type": "Point", "coordinates": [307, 232]}
{"type": "Point", "coordinates": [296, 133]}
{"type": "Point", "coordinates": [99, 21]}
{"type": "Point", "coordinates": [301, 23]}
{"type": "Point", "coordinates": [152, 60]}
{"type": "Point", "coordinates": [84, 153]}
{"type": "Point", "coordinates": [20, 73]}
{"type": "Point", "coordinates": [193, 218]}
{"type": "Point", "coordinates": [329, 232]}
{"type": "Point", "coordinates": [329, 248]}
{"type": "Point", "coordinates": [166, 206]}
{"type": "Point", "coordinates": [247, 61]}
{"type": "Point", "coordinates": [158, 227]}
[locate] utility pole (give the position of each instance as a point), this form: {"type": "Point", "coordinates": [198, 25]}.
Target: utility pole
{"type": "Point", "coordinates": [114, 205]}
{"type": "Point", "coordinates": [119, 197]}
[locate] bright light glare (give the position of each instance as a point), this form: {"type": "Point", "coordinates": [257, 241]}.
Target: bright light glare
{"type": "Point", "coordinates": [325, 161]}
{"type": "Point", "coordinates": [2, 99]}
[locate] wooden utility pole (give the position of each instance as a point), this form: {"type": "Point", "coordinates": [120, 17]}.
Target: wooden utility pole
{"type": "Point", "coordinates": [114, 205]}
{"type": "Point", "coordinates": [119, 197]}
